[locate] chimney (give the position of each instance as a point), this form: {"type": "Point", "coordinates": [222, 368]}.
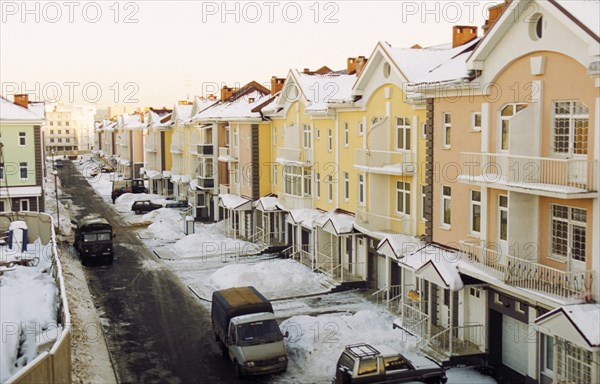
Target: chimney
{"type": "Point", "coordinates": [462, 34]}
{"type": "Point", "coordinates": [306, 70]}
{"type": "Point", "coordinates": [22, 100]}
{"type": "Point", "coordinates": [494, 14]}
{"type": "Point", "coordinates": [276, 84]}
{"type": "Point", "coordinates": [416, 46]}
{"type": "Point", "coordinates": [361, 62]}
{"type": "Point", "coordinates": [351, 66]}
{"type": "Point", "coordinates": [226, 93]}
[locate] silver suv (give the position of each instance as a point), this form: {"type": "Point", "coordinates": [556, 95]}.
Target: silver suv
{"type": "Point", "coordinates": [363, 363]}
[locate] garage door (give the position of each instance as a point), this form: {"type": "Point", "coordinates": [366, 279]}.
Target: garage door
{"type": "Point", "coordinates": [514, 345]}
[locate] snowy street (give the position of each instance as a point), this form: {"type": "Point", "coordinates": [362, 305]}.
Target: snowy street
{"type": "Point", "coordinates": [163, 275]}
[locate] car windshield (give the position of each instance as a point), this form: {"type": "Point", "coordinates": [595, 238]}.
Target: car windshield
{"type": "Point", "coordinates": [346, 361]}
{"type": "Point", "coordinates": [258, 332]}
{"type": "Point", "coordinates": [102, 236]}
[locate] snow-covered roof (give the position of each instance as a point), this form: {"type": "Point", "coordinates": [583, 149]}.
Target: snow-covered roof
{"type": "Point", "coordinates": [38, 107]}
{"type": "Point", "coordinates": [583, 318]}
{"type": "Point", "coordinates": [152, 174]}
{"type": "Point", "coordinates": [320, 90]}
{"type": "Point", "coordinates": [235, 202]}
{"type": "Point", "coordinates": [435, 264]}
{"type": "Point", "coordinates": [432, 64]}
{"type": "Point", "coordinates": [586, 11]}
{"type": "Point", "coordinates": [17, 225]}
{"type": "Point", "coordinates": [335, 222]}
{"type": "Point", "coordinates": [268, 204]}
{"type": "Point", "coordinates": [132, 121]}
{"type": "Point", "coordinates": [399, 245]}
{"type": "Point", "coordinates": [176, 178]}
{"type": "Point", "coordinates": [303, 216]}
{"type": "Point", "coordinates": [12, 112]}
{"type": "Point", "coordinates": [182, 113]}
{"type": "Point", "coordinates": [159, 118]}
{"type": "Point", "coordinates": [241, 108]}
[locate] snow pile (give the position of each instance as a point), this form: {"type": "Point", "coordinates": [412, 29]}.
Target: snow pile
{"type": "Point", "coordinates": [65, 225]}
{"type": "Point", "coordinates": [315, 342]}
{"type": "Point", "coordinates": [211, 240]}
{"type": "Point", "coordinates": [167, 224]}
{"type": "Point", "coordinates": [29, 301]}
{"type": "Point", "coordinates": [274, 278]}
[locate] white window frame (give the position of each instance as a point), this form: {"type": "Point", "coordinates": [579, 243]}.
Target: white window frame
{"type": "Point", "coordinates": [318, 185]}
{"type": "Point", "coordinates": [274, 136]}
{"type": "Point", "coordinates": [201, 200]}
{"type": "Point", "coordinates": [274, 174]}
{"type": "Point", "coordinates": [22, 204]}
{"type": "Point", "coordinates": [329, 140]}
{"type": "Point", "coordinates": [403, 197]}
{"type": "Point", "coordinates": [22, 139]}
{"type": "Point", "coordinates": [318, 134]}
{"type": "Point", "coordinates": [346, 136]}
{"type": "Point", "coordinates": [2, 206]}
{"type": "Point", "coordinates": [361, 189]}
{"type": "Point", "coordinates": [447, 130]}
{"type": "Point", "coordinates": [403, 130]}
{"type": "Point", "coordinates": [516, 108]}
{"type": "Point", "coordinates": [346, 186]}
{"type": "Point", "coordinates": [361, 128]}
{"type": "Point", "coordinates": [502, 208]}
{"type": "Point", "coordinates": [307, 136]}
{"type": "Point", "coordinates": [571, 224]}
{"type": "Point", "coordinates": [2, 173]}
{"type": "Point", "coordinates": [330, 188]}
{"type": "Point", "coordinates": [474, 127]}
{"type": "Point", "coordinates": [446, 198]}
{"type": "Point", "coordinates": [21, 168]}
{"type": "Point", "coordinates": [293, 174]}
{"type": "Point", "coordinates": [424, 130]}
{"type": "Point", "coordinates": [573, 118]}
{"type": "Point", "coordinates": [472, 204]}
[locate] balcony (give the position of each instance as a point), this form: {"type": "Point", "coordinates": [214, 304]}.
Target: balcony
{"type": "Point", "coordinates": [204, 150]}
{"type": "Point", "coordinates": [385, 162]}
{"type": "Point", "coordinates": [553, 177]}
{"type": "Point", "coordinates": [382, 224]}
{"type": "Point", "coordinates": [150, 147]}
{"type": "Point", "coordinates": [224, 189]}
{"type": "Point", "coordinates": [526, 274]}
{"type": "Point", "coordinates": [176, 148]}
{"type": "Point", "coordinates": [227, 154]}
{"type": "Point", "coordinates": [300, 156]}
{"type": "Point", "coordinates": [206, 182]}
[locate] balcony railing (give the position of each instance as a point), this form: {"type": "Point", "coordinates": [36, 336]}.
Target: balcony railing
{"type": "Point", "coordinates": [538, 173]}
{"type": "Point", "coordinates": [295, 155]}
{"type": "Point", "coordinates": [204, 149]}
{"type": "Point", "coordinates": [384, 224]}
{"type": "Point", "coordinates": [206, 182]}
{"type": "Point", "coordinates": [385, 162]}
{"type": "Point", "coordinates": [528, 274]}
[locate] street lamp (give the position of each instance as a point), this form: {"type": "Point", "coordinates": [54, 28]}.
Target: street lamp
{"type": "Point", "coordinates": [55, 173]}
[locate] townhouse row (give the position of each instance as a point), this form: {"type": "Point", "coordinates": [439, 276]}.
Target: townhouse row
{"type": "Point", "coordinates": [459, 182]}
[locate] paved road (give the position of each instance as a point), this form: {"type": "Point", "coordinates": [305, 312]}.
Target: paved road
{"type": "Point", "coordinates": [157, 331]}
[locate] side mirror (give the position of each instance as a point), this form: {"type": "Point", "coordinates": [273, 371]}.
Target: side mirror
{"type": "Point", "coordinates": [286, 334]}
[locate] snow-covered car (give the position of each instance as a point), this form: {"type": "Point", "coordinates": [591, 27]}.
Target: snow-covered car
{"type": "Point", "coordinates": [363, 363]}
{"type": "Point", "coordinates": [144, 206]}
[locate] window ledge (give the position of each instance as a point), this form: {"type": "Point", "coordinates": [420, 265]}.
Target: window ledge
{"type": "Point", "coordinates": [445, 228]}
{"type": "Point", "coordinates": [475, 130]}
{"type": "Point", "coordinates": [474, 236]}
{"type": "Point", "coordinates": [558, 259]}
{"type": "Point", "coordinates": [446, 148]}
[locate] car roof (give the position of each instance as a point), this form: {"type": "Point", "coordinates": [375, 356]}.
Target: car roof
{"type": "Point", "coordinates": [88, 220]}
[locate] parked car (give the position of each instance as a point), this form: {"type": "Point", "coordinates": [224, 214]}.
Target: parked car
{"type": "Point", "coordinates": [94, 239]}
{"type": "Point", "coordinates": [106, 169]}
{"type": "Point", "coordinates": [58, 163]}
{"type": "Point", "coordinates": [363, 363]}
{"type": "Point", "coordinates": [181, 205]}
{"type": "Point", "coordinates": [144, 206]}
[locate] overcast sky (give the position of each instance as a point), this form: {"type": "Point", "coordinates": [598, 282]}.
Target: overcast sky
{"type": "Point", "coordinates": [156, 52]}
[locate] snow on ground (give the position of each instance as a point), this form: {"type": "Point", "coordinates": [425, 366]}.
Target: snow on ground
{"type": "Point", "coordinates": [320, 325]}
{"type": "Point", "coordinates": [274, 278]}
{"type": "Point", "coordinates": [64, 206]}
{"type": "Point", "coordinates": [29, 299]}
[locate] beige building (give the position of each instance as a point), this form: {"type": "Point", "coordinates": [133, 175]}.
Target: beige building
{"type": "Point", "coordinates": [69, 128]}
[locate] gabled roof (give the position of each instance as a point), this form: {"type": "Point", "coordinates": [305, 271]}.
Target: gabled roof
{"type": "Point", "coordinates": [580, 16]}
{"type": "Point", "coordinates": [10, 111]}
{"type": "Point", "coordinates": [336, 222]}
{"type": "Point", "coordinates": [581, 320]}
{"type": "Point", "coordinates": [159, 117]}
{"type": "Point", "coordinates": [202, 103]}
{"type": "Point", "coordinates": [127, 121]}
{"type": "Point", "coordinates": [182, 113]}
{"type": "Point", "coordinates": [316, 91]}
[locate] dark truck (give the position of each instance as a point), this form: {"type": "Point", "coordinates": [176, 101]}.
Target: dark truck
{"type": "Point", "coordinates": [93, 239]}
{"type": "Point", "coordinates": [365, 364]}
{"type": "Point", "coordinates": [121, 187]}
{"type": "Point", "coordinates": [247, 332]}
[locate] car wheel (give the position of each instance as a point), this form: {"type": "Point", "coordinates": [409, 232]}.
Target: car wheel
{"type": "Point", "coordinates": [138, 212]}
{"type": "Point", "coordinates": [109, 259]}
{"type": "Point", "coordinates": [84, 261]}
